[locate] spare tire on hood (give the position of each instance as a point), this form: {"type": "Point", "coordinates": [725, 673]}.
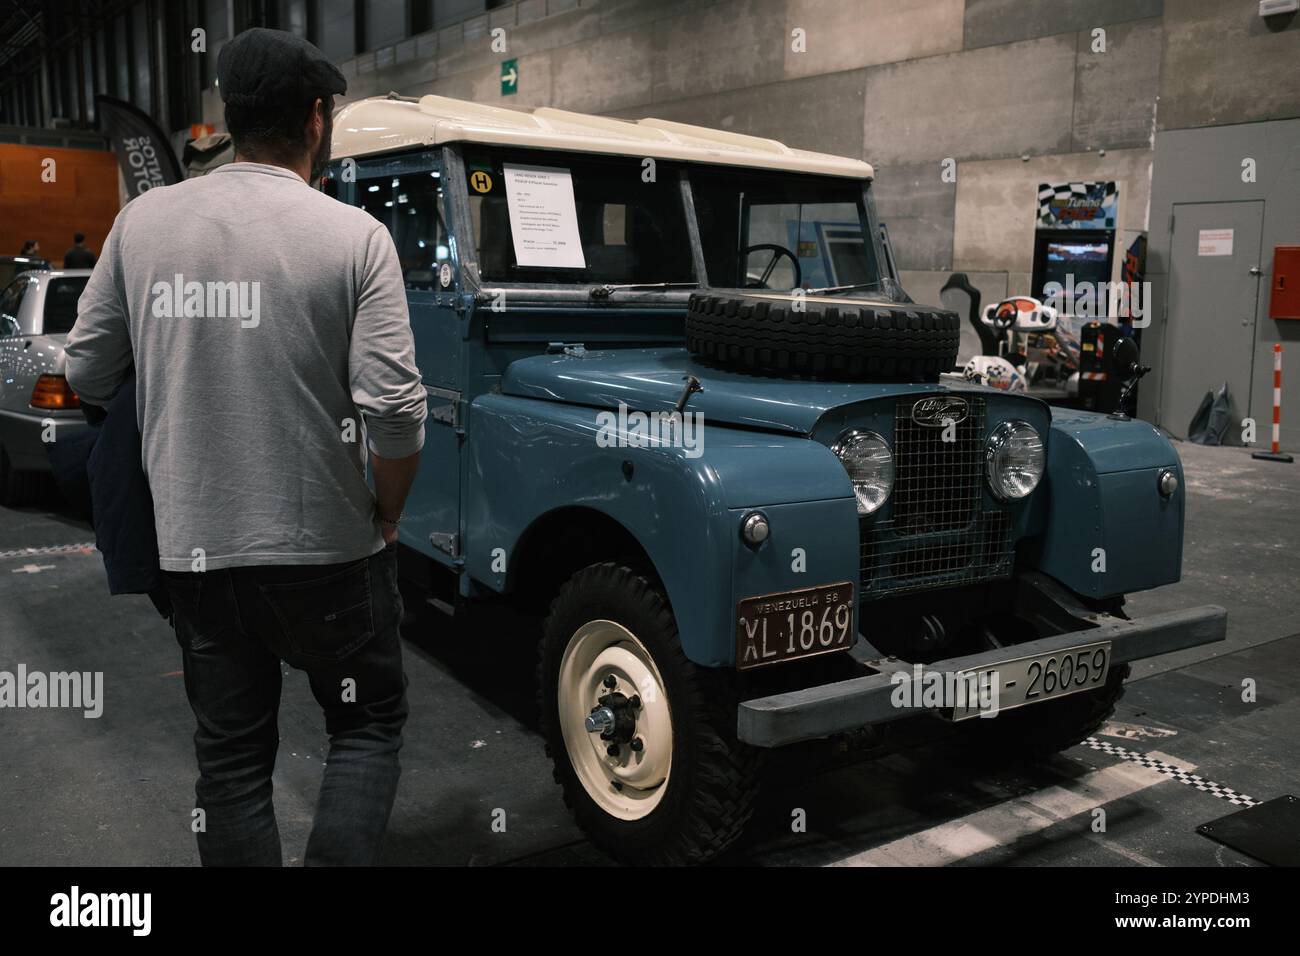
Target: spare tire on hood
{"type": "Point", "coordinates": [826, 337]}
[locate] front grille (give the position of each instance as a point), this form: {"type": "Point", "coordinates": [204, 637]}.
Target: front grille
{"type": "Point", "coordinates": [938, 534]}
{"type": "Point", "coordinates": [897, 563]}
{"type": "Point", "coordinates": [937, 483]}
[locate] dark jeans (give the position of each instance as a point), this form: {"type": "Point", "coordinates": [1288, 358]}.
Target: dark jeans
{"type": "Point", "coordinates": [337, 622]}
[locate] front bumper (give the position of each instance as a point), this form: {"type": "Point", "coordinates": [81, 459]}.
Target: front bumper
{"type": "Point", "coordinates": [816, 712]}
{"type": "Point", "coordinates": [21, 435]}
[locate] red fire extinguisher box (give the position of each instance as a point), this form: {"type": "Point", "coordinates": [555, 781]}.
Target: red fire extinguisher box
{"type": "Point", "coordinates": [1284, 302]}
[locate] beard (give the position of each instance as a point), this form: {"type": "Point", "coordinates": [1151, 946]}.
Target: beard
{"type": "Point", "coordinates": [321, 158]}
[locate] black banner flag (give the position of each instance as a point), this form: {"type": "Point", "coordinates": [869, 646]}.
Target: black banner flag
{"type": "Point", "coordinates": [143, 151]}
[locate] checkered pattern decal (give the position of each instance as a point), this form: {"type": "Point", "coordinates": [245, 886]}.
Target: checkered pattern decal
{"type": "Point", "coordinates": [52, 549]}
{"type": "Point", "coordinates": [1182, 776]}
{"type": "Point", "coordinates": [1107, 192]}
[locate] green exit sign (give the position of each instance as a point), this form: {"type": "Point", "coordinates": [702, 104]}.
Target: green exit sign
{"type": "Point", "coordinates": [509, 77]}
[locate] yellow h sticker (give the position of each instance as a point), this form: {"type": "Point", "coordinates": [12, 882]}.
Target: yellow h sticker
{"type": "Point", "coordinates": [481, 181]}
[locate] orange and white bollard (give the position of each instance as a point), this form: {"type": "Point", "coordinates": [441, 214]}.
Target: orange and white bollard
{"type": "Point", "coordinates": [1276, 454]}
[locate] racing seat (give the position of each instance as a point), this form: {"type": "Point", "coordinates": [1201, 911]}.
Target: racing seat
{"type": "Point", "coordinates": [963, 298]}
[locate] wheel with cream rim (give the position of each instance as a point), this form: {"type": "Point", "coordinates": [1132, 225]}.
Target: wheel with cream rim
{"type": "Point", "coordinates": [642, 740]}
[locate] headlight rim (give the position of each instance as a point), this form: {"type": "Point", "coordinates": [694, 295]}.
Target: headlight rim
{"type": "Point", "coordinates": [997, 439]}
{"type": "Point", "coordinates": [842, 441]}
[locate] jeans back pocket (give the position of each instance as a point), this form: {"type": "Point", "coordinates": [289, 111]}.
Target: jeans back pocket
{"type": "Point", "coordinates": [324, 618]}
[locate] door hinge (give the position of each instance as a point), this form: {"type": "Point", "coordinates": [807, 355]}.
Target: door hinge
{"type": "Point", "coordinates": [448, 414]}
{"type": "Point", "coordinates": [447, 542]}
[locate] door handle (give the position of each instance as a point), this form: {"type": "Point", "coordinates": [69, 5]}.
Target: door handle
{"type": "Point", "coordinates": [1256, 271]}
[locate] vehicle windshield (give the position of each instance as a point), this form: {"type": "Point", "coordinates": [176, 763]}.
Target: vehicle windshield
{"type": "Point", "coordinates": [61, 295]}
{"type": "Point", "coordinates": [544, 217]}
{"type": "Point", "coordinates": [774, 230]}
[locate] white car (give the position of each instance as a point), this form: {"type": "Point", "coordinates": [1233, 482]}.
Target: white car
{"type": "Point", "coordinates": [37, 309]}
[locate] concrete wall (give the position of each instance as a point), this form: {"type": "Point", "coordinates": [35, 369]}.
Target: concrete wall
{"type": "Point", "coordinates": [1014, 91]}
{"type": "Point", "coordinates": [903, 85]}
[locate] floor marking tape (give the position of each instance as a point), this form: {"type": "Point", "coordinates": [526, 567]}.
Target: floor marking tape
{"type": "Point", "coordinates": [51, 549]}
{"type": "Point", "coordinates": [1170, 770]}
{"type": "Point", "coordinates": [1010, 820]}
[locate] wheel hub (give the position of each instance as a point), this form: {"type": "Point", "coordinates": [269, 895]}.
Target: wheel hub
{"type": "Point", "coordinates": [615, 719]}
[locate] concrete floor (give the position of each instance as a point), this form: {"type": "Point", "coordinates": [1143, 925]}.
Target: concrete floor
{"type": "Point", "coordinates": [118, 790]}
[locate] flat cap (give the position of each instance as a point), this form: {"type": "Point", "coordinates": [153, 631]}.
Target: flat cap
{"type": "Point", "coordinates": [261, 67]}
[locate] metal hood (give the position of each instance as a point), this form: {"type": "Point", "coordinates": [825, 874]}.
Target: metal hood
{"type": "Point", "coordinates": [652, 380]}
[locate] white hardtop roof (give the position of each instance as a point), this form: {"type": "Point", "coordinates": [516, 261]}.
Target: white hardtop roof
{"type": "Point", "coordinates": [382, 124]}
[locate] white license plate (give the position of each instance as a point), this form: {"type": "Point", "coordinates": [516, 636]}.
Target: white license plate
{"type": "Point", "coordinates": [1029, 680]}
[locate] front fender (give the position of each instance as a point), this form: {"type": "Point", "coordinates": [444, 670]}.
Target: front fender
{"type": "Point", "coordinates": [1109, 531]}
{"type": "Point", "coordinates": [682, 505]}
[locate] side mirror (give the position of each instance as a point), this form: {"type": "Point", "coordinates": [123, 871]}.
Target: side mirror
{"type": "Point", "coordinates": [1125, 356]}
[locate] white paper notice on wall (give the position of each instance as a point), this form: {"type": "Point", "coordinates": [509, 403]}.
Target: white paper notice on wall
{"type": "Point", "coordinates": [543, 217]}
{"type": "Point", "coordinates": [1214, 242]}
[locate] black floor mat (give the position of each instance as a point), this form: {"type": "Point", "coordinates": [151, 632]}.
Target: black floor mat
{"type": "Point", "coordinates": [1269, 831]}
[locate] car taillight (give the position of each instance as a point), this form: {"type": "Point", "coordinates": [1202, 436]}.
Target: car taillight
{"type": "Point", "coordinates": [53, 391]}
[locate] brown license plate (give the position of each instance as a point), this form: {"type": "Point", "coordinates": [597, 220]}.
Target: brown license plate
{"type": "Point", "coordinates": [778, 627]}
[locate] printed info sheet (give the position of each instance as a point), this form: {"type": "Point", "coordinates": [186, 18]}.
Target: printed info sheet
{"type": "Point", "coordinates": [543, 218]}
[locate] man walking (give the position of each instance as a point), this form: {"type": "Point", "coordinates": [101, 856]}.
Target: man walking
{"type": "Point", "coordinates": [268, 330]}
{"type": "Point", "coordinates": [78, 257]}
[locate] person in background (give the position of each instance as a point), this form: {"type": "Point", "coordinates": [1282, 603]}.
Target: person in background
{"type": "Point", "coordinates": [31, 248]}
{"type": "Point", "coordinates": [268, 329]}
{"type": "Point", "coordinates": [79, 257]}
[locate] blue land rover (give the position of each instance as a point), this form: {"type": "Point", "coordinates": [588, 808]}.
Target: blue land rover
{"type": "Point", "coordinates": [682, 410]}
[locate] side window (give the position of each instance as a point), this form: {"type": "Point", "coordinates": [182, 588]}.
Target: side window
{"type": "Point", "coordinates": [411, 205]}
{"type": "Point", "coordinates": [11, 301]}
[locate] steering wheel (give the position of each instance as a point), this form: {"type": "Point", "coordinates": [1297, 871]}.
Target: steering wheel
{"type": "Point", "coordinates": [1004, 316]}
{"type": "Point", "coordinates": [777, 253]}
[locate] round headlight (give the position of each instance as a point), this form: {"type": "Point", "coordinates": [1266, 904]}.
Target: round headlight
{"type": "Point", "coordinates": [1014, 460]}
{"type": "Point", "coordinates": [870, 464]}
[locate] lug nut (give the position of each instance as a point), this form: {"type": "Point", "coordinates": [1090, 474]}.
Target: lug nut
{"type": "Point", "coordinates": [612, 750]}
{"type": "Point", "coordinates": [600, 721]}
{"type": "Point", "coordinates": [635, 701]}
{"type": "Point", "coordinates": [637, 745]}
{"type": "Point", "coordinates": [611, 681]}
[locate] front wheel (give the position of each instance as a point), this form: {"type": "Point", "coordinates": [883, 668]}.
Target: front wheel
{"type": "Point", "coordinates": [642, 740]}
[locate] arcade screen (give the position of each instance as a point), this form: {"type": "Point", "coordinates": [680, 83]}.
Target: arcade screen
{"type": "Point", "coordinates": [1086, 261]}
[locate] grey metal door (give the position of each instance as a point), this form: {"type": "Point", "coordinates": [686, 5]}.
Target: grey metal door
{"type": "Point", "coordinates": [1210, 334]}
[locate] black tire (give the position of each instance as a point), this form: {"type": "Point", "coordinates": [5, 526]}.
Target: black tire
{"type": "Point", "coordinates": [714, 778]}
{"type": "Point", "coordinates": [17, 488]}
{"type": "Point", "coordinates": [828, 339]}
{"type": "Point", "coordinates": [1038, 731]}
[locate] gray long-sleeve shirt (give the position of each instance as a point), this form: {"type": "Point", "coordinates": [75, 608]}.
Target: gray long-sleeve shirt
{"type": "Point", "coordinates": [268, 327]}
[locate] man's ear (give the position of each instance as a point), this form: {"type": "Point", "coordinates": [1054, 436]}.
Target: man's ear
{"type": "Point", "coordinates": [316, 119]}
